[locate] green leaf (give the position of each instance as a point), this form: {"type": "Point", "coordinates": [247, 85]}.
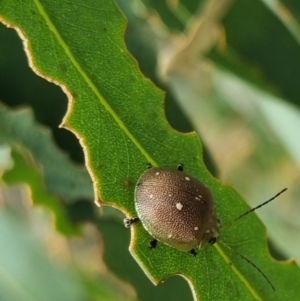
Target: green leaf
{"type": "Point", "coordinates": [118, 116]}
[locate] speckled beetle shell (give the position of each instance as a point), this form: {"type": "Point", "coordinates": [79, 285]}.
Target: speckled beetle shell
{"type": "Point", "coordinates": [176, 209]}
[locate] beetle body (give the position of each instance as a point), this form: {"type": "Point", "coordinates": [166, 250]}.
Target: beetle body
{"type": "Point", "coordinates": [176, 209]}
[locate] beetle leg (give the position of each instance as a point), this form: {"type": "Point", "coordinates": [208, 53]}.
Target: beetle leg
{"type": "Point", "coordinates": [180, 167]}
{"type": "Point", "coordinates": [148, 165]}
{"type": "Point", "coordinates": [129, 221]}
{"type": "Point", "coordinates": [152, 244]}
{"type": "Point", "coordinates": [193, 252]}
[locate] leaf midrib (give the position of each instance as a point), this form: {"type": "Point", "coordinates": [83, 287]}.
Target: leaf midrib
{"type": "Point", "coordinates": [239, 274]}
{"type": "Point", "coordinates": [90, 83]}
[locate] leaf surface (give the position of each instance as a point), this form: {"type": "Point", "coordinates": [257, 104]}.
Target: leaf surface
{"type": "Point", "coordinates": [118, 116]}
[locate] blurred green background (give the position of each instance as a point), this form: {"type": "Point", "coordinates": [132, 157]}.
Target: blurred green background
{"type": "Point", "coordinates": [231, 72]}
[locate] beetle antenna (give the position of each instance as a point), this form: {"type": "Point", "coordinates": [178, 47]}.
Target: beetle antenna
{"type": "Point", "coordinates": [250, 262]}
{"type": "Point", "coordinates": [261, 205]}
{"type": "Point", "coordinates": [229, 224]}
{"type": "Point", "coordinates": [238, 253]}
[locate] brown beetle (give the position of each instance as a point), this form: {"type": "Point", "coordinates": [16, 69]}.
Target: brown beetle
{"type": "Point", "coordinates": [178, 210]}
